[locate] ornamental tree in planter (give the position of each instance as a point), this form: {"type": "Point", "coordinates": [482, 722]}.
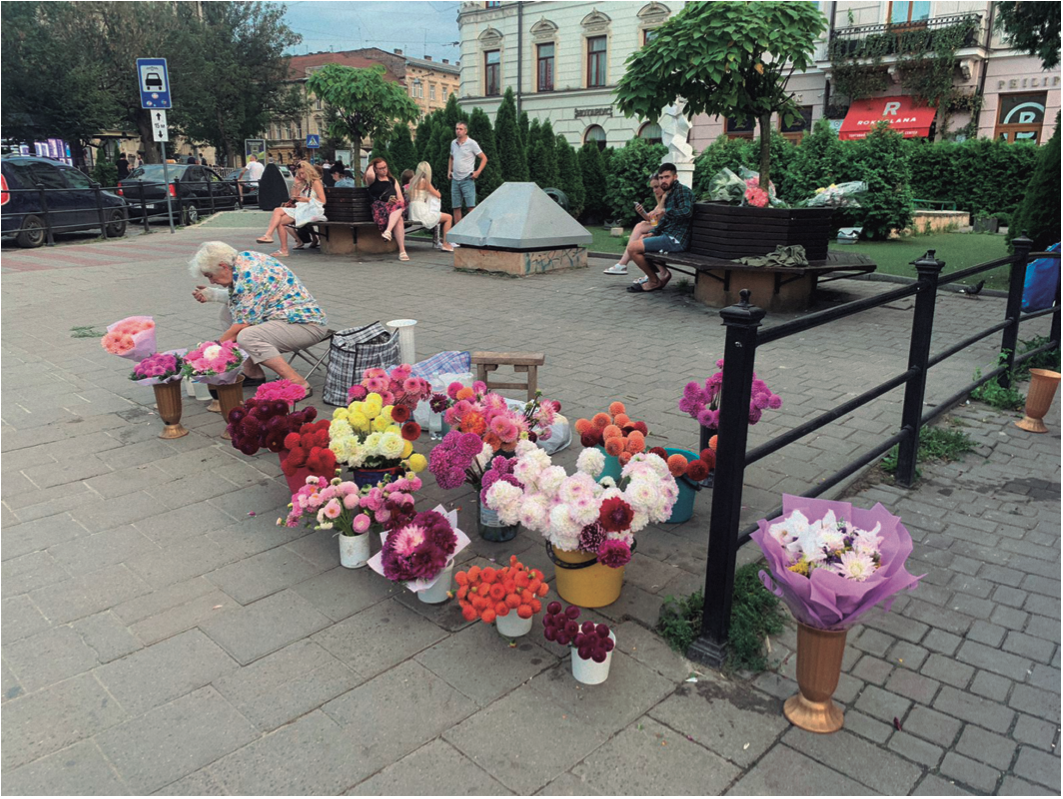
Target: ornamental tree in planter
{"type": "Point", "coordinates": [727, 59]}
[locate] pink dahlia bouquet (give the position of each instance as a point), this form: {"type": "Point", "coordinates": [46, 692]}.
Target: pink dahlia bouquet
{"type": "Point", "coordinates": [578, 513]}
{"type": "Point", "coordinates": [281, 390]}
{"type": "Point", "coordinates": [474, 409]}
{"type": "Point", "coordinates": [162, 367]}
{"type": "Point", "coordinates": [398, 388]}
{"type": "Point", "coordinates": [416, 551]}
{"type": "Point", "coordinates": [460, 458]}
{"type": "Point", "coordinates": [702, 401]}
{"type": "Point", "coordinates": [132, 337]}
{"type": "Point", "coordinates": [831, 563]}
{"type": "Point", "coordinates": [350, 510]}
{"type": "Point", "coordinates": [214, 363]}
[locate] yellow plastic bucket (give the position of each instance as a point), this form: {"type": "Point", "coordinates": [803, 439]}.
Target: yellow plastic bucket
{"type": "Point", "coordinates": [593, 586]}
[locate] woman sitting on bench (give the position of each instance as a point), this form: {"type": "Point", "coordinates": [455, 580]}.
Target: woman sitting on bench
{"type": "Point", "coordinates": [425, 201]}
{"type": "Point", "coordinates": [306, 205]}
{"type": "Point", "coordinates": [387, 203]}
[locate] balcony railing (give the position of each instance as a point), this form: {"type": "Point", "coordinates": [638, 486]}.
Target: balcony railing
{"type": "Point", "coordinates": [904, 38]}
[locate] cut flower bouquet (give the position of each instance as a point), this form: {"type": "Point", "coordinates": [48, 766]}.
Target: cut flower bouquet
{"type": "Point", "coordinates": [398, 388]}
{"type": "Point", "coordinates": [214, 363]}
{"type": "Point", "coordinates": [417, 551]}
{"type": "Point", "coordinates": [351, 510]}
{"type": "Point", "coordinates": [162, 367]}
{"type": "Point", "coordinates": [577, 513]}
{"type": "Point", "coordinates": [487, 593]}
{"type": "Point", "coordinates": [365, 435]}
{"type": "Point", "coordinates": [474, 409]}
{"type": "Point", "coordinates": [831, 562]}
{"type": "Point", "coordinates": [702, 401]}
{"type": "Point", "coordinates": [132, 337]}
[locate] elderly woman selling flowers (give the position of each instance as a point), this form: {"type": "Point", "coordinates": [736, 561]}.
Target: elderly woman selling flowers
{"type": "Point", "coordinates": [268, 309]}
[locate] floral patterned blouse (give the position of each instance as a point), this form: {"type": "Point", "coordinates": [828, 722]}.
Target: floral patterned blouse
{"type": "Point", "coordinates": [265, 290]}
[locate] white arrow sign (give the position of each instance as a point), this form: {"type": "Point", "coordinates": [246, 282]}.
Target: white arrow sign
{"type": "Point", "coordinates": [158, 125]}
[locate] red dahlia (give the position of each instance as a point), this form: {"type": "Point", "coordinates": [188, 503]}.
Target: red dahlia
{"type": "Point", "coordinates": [616, 515]}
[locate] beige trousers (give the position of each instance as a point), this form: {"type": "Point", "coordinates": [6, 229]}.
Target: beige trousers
{"type": "Point", "coordinates": [269, 339]}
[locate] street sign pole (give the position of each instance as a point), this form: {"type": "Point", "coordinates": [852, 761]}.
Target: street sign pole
{"type": "Point", "coordinates": [153, 79]}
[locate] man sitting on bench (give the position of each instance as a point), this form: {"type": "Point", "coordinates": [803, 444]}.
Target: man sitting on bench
{"type": "Point", "coordinates": [672, 233]}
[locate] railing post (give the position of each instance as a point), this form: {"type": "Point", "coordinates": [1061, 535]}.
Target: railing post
{"type": "Point", "coordinates": [1055, 316]}
{"type": "Point", "coordinates": [740, 351]}
{"type": "Point", "coordinates": [1010, 338]}
{"type": "Point", "coordinates": [43, 194]}
{"type": "Point", "coordinates": [210, 193]}
{"type": "Point", "coordinates": [929, 268]}
{"type": "Point", "coordinates": [143, 206]}
{"type": "Point", "coordinates": [99, 209]}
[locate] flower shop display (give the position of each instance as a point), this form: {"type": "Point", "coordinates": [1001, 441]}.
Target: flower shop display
{"type": "Point", "coordinates": [626, 435]}
{"type": "Point", "coordinates": [509, 597]}
{"type": "Point", "coordinates": [474, 409]}
{"type": "Point", "coordinates": [591, 644]}
{"type": "Point", "coordinates": [398, 388]}
{"type": "Point", "coordinates": [590, 526]}
{"type": "Point", "coordinates": [262, 423]}
{"type": "Point", "coordinates": [366, 437]}
{"type": "Point", "coordinates": [830, 563]}
{"type": "Point", "coordinates": [691, 473]}
{"type": "Point", "coordinates": [306, 452]}
{"type": "Point", "coordinates": [465, 458]}
{"type": "Point", "coordinates": [419, 552]}
{"type": "Point", "coordinates": [162, 371]}
{"type": "Point", "coordinates": [132, 338]}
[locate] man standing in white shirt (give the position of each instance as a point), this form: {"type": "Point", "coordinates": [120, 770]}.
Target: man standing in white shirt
{"type": "Point", "coordinates": [462, 170]}
{"type": "Point", "coordinates": [253, 170]}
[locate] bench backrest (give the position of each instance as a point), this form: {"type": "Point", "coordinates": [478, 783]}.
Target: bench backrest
{"type": "Point", "coordinates": [347, 205]}
{"type": "Point", "coordinates": [727, 231]}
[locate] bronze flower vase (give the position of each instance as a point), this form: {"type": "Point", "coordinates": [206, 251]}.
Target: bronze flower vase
{"type": "Point", "coordinates": [1043, 385]}
{"type": "Point", "coordinates": [819, 665]}
{"type": "Point", "coordinates": [168, 402]}
{"type": "Point", "coordinates": [230, 395]}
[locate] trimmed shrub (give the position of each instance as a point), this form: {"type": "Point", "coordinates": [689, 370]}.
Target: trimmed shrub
{"type": "Point", "coordinates": [1038, 214]}
{"type": "Point", "coordinates": [571, 179]}
{"type": "Point", "coordinates": [550, 177]}
{"type": "Point", "coordinates": [724, 153]}
{"type": "Point", "coordinates": [401, 150]}
{"type": "Point", "coordinates": [491, 177]}
{"type": "Point", "coordinates": [593, 172]}
{"type": "Point", "coordinates": [818, 162]}
{"type": "Point", "coordinates": [512, 159]}
{"type": "Point", "coordinates": [881, 160]}
{"type": "Point", "coordinates": [627, 179]}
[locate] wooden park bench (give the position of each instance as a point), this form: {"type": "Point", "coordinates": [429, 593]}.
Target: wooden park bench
{"type": "Point", "coordinates": [526, 362]}
{"type": "Point", "coordinates": [350, 227]}
{"type": "Point", "coordinates": [718, 278]}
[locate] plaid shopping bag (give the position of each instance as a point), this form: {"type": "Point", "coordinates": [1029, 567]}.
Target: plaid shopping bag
{"type": "Point", "coordinates": [352, 352]}
{"type": "Point", "coordinates": [443, 363]}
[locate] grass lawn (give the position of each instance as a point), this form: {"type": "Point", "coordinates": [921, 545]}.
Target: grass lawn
{"type": "Point", "coordinates": [957, 250]}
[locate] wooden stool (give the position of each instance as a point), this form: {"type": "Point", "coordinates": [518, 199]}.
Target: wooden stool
{"type": "Point", "coordinates": [528, 362]}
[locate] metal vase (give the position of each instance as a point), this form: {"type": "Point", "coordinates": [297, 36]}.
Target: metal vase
{"type": "Point", "coordinates": [168, 402]}
{"type": "Point", "coordinates": [230, 395]}
{"type": "Point", "coordinates": [1043, 385]}
{"type": "Point", "coordinates": [819, 665]}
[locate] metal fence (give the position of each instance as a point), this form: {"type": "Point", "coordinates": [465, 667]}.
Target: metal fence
{"type": "Point", "coordinates": [181, 202]}
{"type": "Point", "coordinates": [740, 351]}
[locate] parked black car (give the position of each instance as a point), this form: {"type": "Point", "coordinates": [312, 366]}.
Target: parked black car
{"type": "Point", "coordinates": [195, 190]}
{"type": "Point", "coordinates": [69, 195]}
{"type": "Point", "coordinates": [250, 187]}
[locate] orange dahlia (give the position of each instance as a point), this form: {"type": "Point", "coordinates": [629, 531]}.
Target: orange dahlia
{"type": "Point", "coordinates": [616, 407]}
{"type": "Point", "coordinates": [677, 464]}
{"type": "Point", "coordinates": [614, 446]}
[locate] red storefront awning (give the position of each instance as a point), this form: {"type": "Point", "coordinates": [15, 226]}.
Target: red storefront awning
{"type": "Point", "coordinates": [904, 116]}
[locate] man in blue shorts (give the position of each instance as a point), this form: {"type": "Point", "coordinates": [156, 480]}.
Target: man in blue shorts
{"type": "Point", "coordinates": [672, 234]}
{"type": "Point", "coordinates": [462, 170]}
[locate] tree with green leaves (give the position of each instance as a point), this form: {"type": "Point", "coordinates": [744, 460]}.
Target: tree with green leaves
{"type": "Point", "coordinates": [571, 177]}
{"type": "Point", "coordinates": [1037, 215]}
{"type": "Point", "coordinates": [491, 177]}
{"type": "Point", "coordinates": [592, 170]}
{"type": "Point", "coordinates": [726, 59]}
{"type": "Point", "coordinates": [550, 177]}
{"type": "Point", "coordinates": [1032, 28]}
{"type": "Point", "coordinates": [363, 105]}
{"type": "Point", "coordinates": [401, 150]}
{"type": "Point", "coordinates": [512, 159]}
{"type": "Point", "coordinates": [881, 161]}
{"type": "Point", "coordinates": [439, 152]}
{"type": "Point", "coordinates": [454, 113]}
{"type": "Point", "coordinates": [524, 129]}
{"type": "Point", "coordinates": [423, 140]}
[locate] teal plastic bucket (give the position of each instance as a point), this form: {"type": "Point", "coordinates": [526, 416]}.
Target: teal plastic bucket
{"type": "Point", "coordinates": [684, 504]}
{"type": "Point", "coordinates": [612, 466]}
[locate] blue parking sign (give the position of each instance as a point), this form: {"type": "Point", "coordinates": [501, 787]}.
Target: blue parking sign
{"type": "Point", "coordinates": [154, 83]}
{"type": "Point", "coordinates": [313, 141]}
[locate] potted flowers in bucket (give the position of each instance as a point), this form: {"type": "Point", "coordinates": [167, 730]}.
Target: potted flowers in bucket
{"type": "Point", "coordinates": [218, 365]}
{"type": "Point", "coordinates": [510, 597]}
{"type": "Point", "coordinates": [306, 452]}
{"type": "Point", "coordinates": [592, 644]}
{"type": "Point", "coordinates": [419, 552]}
{"type": "Point", "coordinates": [466, 458]}
{"type": "Point", "coordinates": [590, 526]}
{"type": "Point", "coordinates": [367, 437]}
{"type": "Point", "coordinates": [616, 434]}
{"type": "Point", "coordinates": [162, 371]}
{"type": "Point", "coordinates": [831, 563]}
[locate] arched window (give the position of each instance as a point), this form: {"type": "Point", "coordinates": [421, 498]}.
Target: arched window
{"type": "Point", "coordinates": [596, 134]}
{"type": "Point", "coordinates": [651, 131]}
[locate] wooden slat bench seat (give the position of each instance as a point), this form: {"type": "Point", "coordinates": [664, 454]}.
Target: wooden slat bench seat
{"type": "Point", "coordinates": [526, 362]}
{"type": "Point", "coordinates": [350, 227]}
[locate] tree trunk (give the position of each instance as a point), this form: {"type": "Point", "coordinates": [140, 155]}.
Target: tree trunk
{"type": "Point", "coordinates": [765, 151]}
{"type": "Point", "coordinates": [147, 138]}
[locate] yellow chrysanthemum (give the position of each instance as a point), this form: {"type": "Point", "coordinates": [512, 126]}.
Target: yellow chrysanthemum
{"type": "Point", "coordinates": [359, 421]}
{"type": "Point", "coordinates": [417, 462]}
{"type": "Point", "coordinates": [407, 451]}
{"type": "Point", "coordinates": [391, 445]}
{"type": "Point", "coordinates": [381, 424]}
{"type": "Point", "coordinates": [340, 413]}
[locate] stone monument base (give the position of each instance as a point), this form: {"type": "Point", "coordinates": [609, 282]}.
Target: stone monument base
{"type": "Point", "coordinates": [519, 262]}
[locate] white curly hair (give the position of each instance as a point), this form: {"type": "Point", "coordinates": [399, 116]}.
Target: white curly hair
{"type": "Point", "coordinates": [210, 257]}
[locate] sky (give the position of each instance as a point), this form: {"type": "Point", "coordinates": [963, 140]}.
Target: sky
{"type": "Point", "coordinates": [416, 28]}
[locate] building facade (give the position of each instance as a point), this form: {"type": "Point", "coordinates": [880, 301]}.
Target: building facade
{"type": "Point", "coordinates": [1005, 93]}
{"type": "Point", "coordinates": [430, 83]}
{"type": "Point", "coordinates": [562, 59]}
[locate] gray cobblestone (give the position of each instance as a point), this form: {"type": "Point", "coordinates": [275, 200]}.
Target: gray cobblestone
{"type": "Point", "coordinates": [987, 747]}
{"type": "Point", "coordinates": [974, 709]}
{"type": "Point", "coordinates": [1036, 732]}
{"type": "Point", "coordinates": [916, 749]}
{"type": "Point", "coordinates": [913, 686]}
{"type": "Point", "coordinates": [932, 726]}
{"type": "Point", "coordinates": [949, 671]}
{"type": "Point", "coordinates": [984, 657]}
{"type": "Point", "coordinates": [986, 633]}
{"type": "Point", "coordinates": [1029, 647]}
{"type": "Point", "coordinates": [991, 686]}
{"type": "Point", "coordinates": [969, 772]}
{"type": "Point", "coordinates": [942, 642]}
{"type": "Point", "coordinates": [1044, 627]}
{"type": "Point", "coordinates": [1035, 701]}
{"type": "Point", "coordinates": [1038, 767]}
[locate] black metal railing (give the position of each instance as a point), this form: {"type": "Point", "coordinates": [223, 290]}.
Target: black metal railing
{"type": "Point", "coordinates": [47, 218]}
{"type": "Point", "coordinates": [743, 338]}
{"type": "Point", "coordinates": [894, 38]}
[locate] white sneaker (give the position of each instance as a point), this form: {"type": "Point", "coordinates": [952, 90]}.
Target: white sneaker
{"type": "Point", "coordinates": [615, 269]}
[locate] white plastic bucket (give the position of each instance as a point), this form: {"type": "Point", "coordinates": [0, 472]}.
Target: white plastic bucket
{"type": "Point", "coordinates": [513, 626]}
{"type": "Point", "coordinates": [587, 671]}
{"type": "Point", "coordinates": [439, 590]}
{"type": "Point", "coordinates": [405, 328]}
{"type": "Point", "coordinates": [354, 551]}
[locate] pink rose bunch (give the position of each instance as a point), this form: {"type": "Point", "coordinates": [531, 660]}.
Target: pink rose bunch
{"type": "Point", "coordinates": [702, 402]}
{"type": "Point", "coordinates": [351, 510]}
{"type": "Point", "coordinates": [132, 337]}
{"type": "Point", "coordinates": [213, 358]}
{"type": "Point", "coordinates": [399, 387]}
{"type": "Point", "coordinates": [162, 366]}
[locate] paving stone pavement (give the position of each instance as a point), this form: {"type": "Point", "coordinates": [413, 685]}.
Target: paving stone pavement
{"type": "Point", "coordinates": [160, 634]}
